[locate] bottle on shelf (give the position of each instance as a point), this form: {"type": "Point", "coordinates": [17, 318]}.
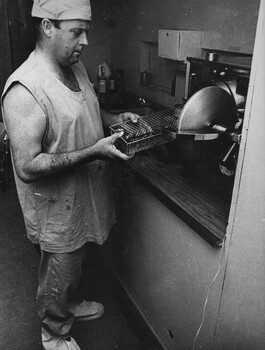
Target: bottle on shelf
{"type": "Point", "coordinates": [102, 81]}
{"type": "Point", "coordinates": [112, 83]}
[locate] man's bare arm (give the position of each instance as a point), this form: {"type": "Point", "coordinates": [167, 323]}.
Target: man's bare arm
{"type": "Point", "coordinates": [26, 125]}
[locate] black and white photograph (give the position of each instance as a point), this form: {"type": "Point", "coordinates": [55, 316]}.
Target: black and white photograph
{"type": "Point", "coordinates": [132, 175]}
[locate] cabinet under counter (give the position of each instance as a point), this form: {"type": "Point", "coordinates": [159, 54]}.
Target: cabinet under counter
{"type": "Point", "coordinates": [204, 211]}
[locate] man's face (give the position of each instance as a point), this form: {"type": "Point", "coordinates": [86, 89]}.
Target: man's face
{"type": "Point", "coordinates": [69, 40]}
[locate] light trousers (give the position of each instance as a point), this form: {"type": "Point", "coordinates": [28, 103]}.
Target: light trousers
{"type": "Point", "coordinates": [59, 277]}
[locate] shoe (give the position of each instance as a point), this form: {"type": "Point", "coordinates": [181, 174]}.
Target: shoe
{"type": "Point", "coordinates": [51, 342]}
{"type": "Point", "coordinates": [86, 310]}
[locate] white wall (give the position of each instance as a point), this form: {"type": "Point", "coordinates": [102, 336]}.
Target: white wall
{"type": "Point", "coordinates": [140, 20]}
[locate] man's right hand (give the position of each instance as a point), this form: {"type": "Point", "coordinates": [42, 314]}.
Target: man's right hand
{"type": "Point", "coordinates": [105, 148]}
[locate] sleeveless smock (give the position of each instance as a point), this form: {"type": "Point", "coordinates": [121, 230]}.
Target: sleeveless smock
{"type": "Point", "coordinates": [65, 211]}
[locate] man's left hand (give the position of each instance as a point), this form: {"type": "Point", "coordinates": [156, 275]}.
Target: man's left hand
{"type": "Point", "coordinates": [129, 116]}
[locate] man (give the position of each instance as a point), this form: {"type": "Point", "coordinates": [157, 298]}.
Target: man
{"type": "Point", "coordinates": [58, 148]}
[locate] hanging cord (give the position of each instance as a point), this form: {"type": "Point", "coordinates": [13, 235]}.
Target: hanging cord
{"type": "Point", "coordinates": [207, 297]}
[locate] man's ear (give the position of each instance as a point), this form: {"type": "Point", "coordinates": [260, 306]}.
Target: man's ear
{"type": "Point", "coordinates": [47, 27]}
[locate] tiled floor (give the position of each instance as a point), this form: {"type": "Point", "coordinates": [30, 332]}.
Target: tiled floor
{"type": "Point", "coordinates": [121, 327]}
